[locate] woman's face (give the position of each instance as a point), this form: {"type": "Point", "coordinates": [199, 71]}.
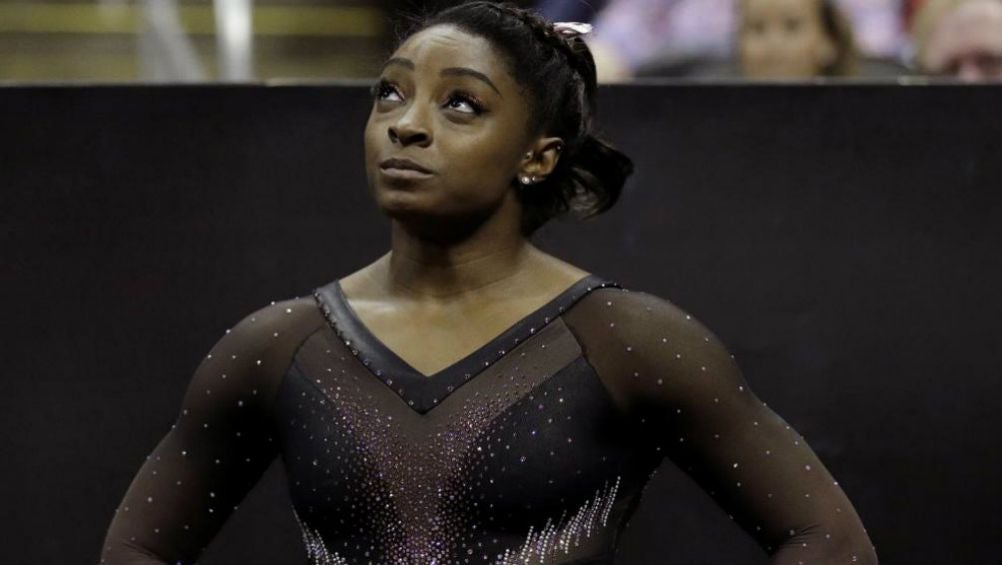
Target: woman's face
{"type": "Point", "coordinates": [446, 104]}
{"type": "Point", "coordinates": [966, 43]}
{"type": "Point", "coordinates": [783, 39]}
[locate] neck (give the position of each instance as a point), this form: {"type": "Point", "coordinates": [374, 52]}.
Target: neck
{"type": "Point", "coordinates": [491, 255]}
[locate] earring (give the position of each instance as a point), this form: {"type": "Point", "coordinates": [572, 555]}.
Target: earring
{"type": "Point", "coordinates": [528, 154]}
{"type": "Point", "coordinates": [525, 179]}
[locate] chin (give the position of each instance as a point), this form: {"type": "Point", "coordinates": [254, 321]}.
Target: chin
{"type": "Point", "coordinates": [402, 200]}
{"type": "Point", "coordinates": [427, 220]}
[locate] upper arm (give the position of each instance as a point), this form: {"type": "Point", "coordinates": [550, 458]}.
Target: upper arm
{"type": "Point", "coordinates": [219, 445]}
{"type": "Point", "coordinates": [670, 370]}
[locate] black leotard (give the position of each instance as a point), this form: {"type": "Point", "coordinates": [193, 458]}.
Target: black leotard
{"type": "Point", "coordinates": [533, 449]}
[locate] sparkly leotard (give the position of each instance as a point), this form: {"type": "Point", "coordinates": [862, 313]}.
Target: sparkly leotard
{"type": "Point", "coordinates": [533, 449]}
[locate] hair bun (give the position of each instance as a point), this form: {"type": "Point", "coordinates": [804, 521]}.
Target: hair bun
{"type": "Point", "coordinates": [598, 170]}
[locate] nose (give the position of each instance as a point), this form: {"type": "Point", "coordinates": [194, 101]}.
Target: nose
{"type": "Point", "coordinates": [410, 129]}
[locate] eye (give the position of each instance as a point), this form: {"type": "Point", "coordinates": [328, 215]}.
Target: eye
{"type": "Point", "coordinates": [385, 90]}
{"type": "Point", "coordinates": [465, 103]}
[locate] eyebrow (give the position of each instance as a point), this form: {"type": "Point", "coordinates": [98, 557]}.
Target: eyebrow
{"type": "Point", "coordinates": [463, 71]}
{"type": "Point", "coordinates": [451, 71]}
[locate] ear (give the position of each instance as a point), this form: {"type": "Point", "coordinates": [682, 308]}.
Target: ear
{"type": "Point", "coordinates": [540, 158]}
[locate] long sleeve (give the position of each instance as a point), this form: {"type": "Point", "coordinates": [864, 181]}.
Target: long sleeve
{"type": "Point", "coordinates": [670, 372]}
{"type": "Point", "coordinates": [221, 442]}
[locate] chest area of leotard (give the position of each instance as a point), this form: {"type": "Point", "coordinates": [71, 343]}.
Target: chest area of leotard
{"type": "Point", "coordinates": [531, 444]}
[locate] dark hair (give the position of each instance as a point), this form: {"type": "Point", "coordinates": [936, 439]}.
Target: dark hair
{"type": "Point", "coordinates": [839, 30]}
{"type": "Point", "coordinates": [559, 75]}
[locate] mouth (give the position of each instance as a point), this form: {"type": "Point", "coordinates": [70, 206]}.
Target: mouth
{"type": "Point", "coordinates": [403, 169]}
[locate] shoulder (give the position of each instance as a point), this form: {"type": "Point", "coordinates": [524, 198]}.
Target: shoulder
{"type": "Point", "coordinates": [247, 364]}
{"type": "Point", "coordinates": [644, 344]}
{"type": "Point", "coordinates": [279, 322]}
{"type": "Point", "coordinates": [275, 329]}
{"type": "Point", "coordinates": [632, 315]}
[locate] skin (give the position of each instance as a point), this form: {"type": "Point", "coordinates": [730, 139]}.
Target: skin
{"type": "Point", "coordinates": [967, 43]}
{"type": "Point", "coordinates": [783, 39]}
{"type": "Point", "coordinates": [459, 267]}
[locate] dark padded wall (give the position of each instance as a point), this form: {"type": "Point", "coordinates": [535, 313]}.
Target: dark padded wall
{"type": "Point", "coordinates": [841, 240]}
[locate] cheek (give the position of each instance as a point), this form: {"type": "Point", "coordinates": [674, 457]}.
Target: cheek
{"type": "Point", "coordinates": [807, 41]}
{"type": "Point", "coordinates": [750, 47]}
{"type": "Point", "coordinates": [755, 55]}
{"type": "Point", "coordinates": [482, 160]}
{"type": "Point", "coordinates": [370, 136]}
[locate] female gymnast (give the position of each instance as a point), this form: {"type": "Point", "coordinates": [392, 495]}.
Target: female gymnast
{"type": "Point", "coordinates": [467, 398]}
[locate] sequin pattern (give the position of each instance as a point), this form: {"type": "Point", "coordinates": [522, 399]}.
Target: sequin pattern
{"type": "Point", "coordinates": [533, 449]}
{"type": "Point", "coordinates": [556, 538]}
{"type": "Point", "coordinates": [413, 488]}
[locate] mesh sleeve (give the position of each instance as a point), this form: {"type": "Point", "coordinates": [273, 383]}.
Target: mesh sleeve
{"type": "Point", "coordinates": [219, 445]}
{"type": "Point", "coordinates": [667, 369]}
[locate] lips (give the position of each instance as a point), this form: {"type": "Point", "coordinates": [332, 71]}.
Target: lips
{"type": "Point", "coordinates": [399, 164]}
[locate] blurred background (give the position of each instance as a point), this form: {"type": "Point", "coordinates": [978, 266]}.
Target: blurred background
{"type": "Point", "coordinates": [265, 40]}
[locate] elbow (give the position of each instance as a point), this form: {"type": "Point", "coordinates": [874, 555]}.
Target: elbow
{"type": "Point", "coordinates": [813, 545]}
{"type": "Point", "coordinates": [856, 553]}
{"type": "Point", "coordinates": [853, 545]}
{"type": "Point", "coordinates": [126, 553]}
{"type": "Point", "coordinates": [857, 550]}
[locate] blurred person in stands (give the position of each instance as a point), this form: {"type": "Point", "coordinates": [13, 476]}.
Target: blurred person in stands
{"type": "Point", "coordinates": [697, 37]}
{"type": "Point", "coordinates": [961, 39]}
{"type": "Point", "coordinates": [794, 39]}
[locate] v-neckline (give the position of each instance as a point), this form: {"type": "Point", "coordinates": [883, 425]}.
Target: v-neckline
{"type": "Point", "coordinates": [422, 392]}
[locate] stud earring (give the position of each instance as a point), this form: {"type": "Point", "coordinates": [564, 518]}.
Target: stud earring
{"type": "Point", "coordinates": [528, 154]}
{"type": "Point", "coordinates": [524, 179]}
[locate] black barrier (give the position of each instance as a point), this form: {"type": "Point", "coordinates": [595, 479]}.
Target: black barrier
{"type": "Point", "coordinates": [841, 240]}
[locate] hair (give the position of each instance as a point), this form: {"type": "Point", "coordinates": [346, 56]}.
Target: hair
{"type": "Point", "coordinates": [838, 27]}
{"type": "Point", "coordinates": [558, 74]}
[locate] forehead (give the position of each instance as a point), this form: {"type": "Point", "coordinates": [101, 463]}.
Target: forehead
{"type": "Point", "coordinates": [974, 17]}
{"type": "Point", "coordinates": [443, 46]}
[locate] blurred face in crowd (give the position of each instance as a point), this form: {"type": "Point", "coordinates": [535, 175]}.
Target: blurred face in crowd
{"type": "Point", "coordinates": [783, 39]}
{"type": "Point", "coordinates": [447, 131]}
{"type": "Point", "coordinates": [966, 42]}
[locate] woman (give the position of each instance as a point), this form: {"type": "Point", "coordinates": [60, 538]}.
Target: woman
{"type": "Point", "coordinates": [960, 39]}
{"type": "Point", "coordinates": [794, 39]}
{"type": "Point", "coordinates": [468, 398]}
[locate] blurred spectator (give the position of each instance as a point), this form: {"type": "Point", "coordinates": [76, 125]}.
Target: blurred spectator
{"type": "Point", "coordinates": [794, 39]}
{"type": "Point", "coordinates": [677, 34]}
{"type": "Point", "coordinates": [630, 32]}
{"type": "Point", "coordinates": [960, 38]}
